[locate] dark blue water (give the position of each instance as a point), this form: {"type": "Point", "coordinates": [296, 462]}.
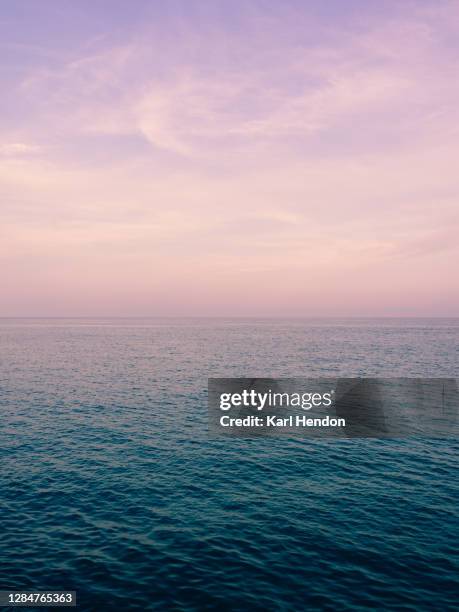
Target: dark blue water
{"type": "Point", "coordinates": [110, 486]}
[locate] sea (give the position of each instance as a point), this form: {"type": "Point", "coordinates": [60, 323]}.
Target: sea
{"type": "Point", "coordinates": [111, 486]}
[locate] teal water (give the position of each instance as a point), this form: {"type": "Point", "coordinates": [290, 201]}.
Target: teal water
{"type": "Point", "coordinates": [111, 487]}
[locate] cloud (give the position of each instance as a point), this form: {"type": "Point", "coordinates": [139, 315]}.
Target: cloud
{"type": "Point", "coordinates": [179, 100]}
{"type": "Point", "coordinates": [267, 152]}
{"type": "Point", "coordinates": [18, 149]}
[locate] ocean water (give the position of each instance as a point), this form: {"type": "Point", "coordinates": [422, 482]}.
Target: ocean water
{"type": "Point", "coordinates": [110, 485]}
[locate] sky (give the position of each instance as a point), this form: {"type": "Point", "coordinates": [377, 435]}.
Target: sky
{"type": "Point", "coordinates": [215, 158]}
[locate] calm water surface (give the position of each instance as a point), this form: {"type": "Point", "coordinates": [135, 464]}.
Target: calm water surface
{"type": "Point", "coordinates": [110, 486]}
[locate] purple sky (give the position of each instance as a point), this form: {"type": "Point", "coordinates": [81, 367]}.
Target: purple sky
{"type": "Point", "coordinates": [229, 158]}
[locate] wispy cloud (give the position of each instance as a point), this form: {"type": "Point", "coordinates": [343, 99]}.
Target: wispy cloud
{"type": "Point", "coordinates": [188, 151]}
{"type": "Point", "coordinates": [18, 149]}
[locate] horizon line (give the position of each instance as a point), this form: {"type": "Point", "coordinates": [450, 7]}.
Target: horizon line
{"type": "Point", "coordinates": [231, 317]}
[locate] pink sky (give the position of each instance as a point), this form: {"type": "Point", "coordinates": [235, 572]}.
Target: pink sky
{"type": "Point", "coordinates": [245, 158]}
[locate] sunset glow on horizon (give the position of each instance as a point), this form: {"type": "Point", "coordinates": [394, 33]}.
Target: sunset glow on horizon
{"type": "Point", "coordinates": [237, 158]}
